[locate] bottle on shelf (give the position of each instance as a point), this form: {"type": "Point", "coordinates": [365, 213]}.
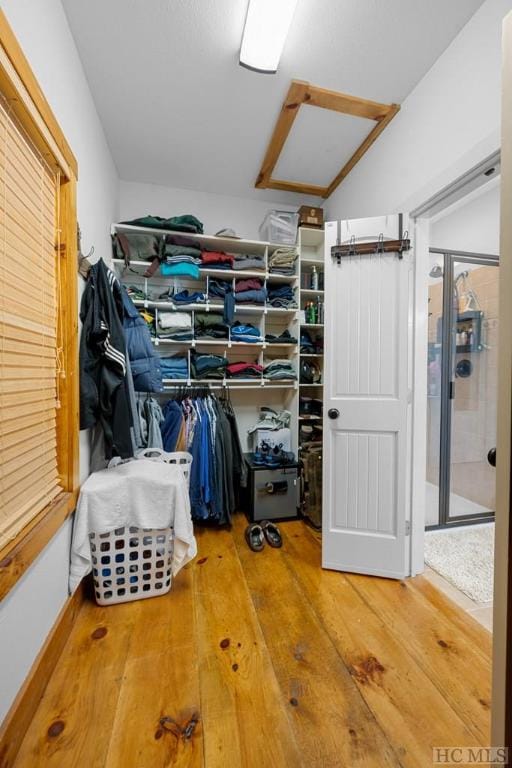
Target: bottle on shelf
{"type": "Point", "coordinates": [319, 311]}
{"type": "Point", "coordinates": [314, 279]}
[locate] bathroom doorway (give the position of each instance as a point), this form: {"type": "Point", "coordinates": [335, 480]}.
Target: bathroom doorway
{"type": "Point", "coordinates": [462, 387]}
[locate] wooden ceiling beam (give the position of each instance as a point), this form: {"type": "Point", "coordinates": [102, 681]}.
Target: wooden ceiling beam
{"type": "Point", "coordinates": [289, 110]}
{"type": "Point", "coordinates": [301, 92]}
{"type": "Point", "coordinates": [342, 102]}
{"type": "Point", "coordinates": [297, 186]}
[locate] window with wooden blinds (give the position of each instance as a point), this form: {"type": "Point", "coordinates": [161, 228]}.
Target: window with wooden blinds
{"type": "Point", "coordinates": [29, 356]}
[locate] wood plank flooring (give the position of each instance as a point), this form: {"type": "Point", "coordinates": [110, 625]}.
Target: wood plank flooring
{"type": "Point", "coordinates": [271, 662]}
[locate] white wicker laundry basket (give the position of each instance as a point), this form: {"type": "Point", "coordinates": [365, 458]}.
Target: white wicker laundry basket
{"type": "Point", "coordinates": [131, 563]}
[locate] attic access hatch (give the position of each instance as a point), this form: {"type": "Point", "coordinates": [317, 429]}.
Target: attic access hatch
{"type": "Point", "coordinates": [300, 93]}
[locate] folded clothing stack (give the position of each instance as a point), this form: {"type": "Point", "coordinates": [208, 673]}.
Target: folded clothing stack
{"type": "Point", "coordinates": [174, 367]}
{"type": "Point", "coordinates": [245, 332]}
{"type": "Point", "coordinates": [185, 297]}
{"type": "Point", "coordinates": [244, 370]}
{"type": "Point", "coordinates": [210, 325]}
{"type": "Point", "coordinates": [216, 260]}
{"type": "Point", "coordinates": [250, 291]}
{"type": "Point", "coordinates": [180, 257]}
{"type": "Point", "coordinates": [284, 338]}
{"type": "Point", "coordinates": [279, 369]}
{"type": "Point", "coordinates": [185, 223]}
{"type": "Point", "coordinates": [282, 260]}
{"type": "Point", "coordinates": [135, 294]}
{"type": "Point", "coordinates": [135, 246]}
{"type": "Point", "coordinates": [282, 296]}
{"type": "Point", "coordinates": [223, 289]}
{"type": "Point", "coordinates": [208, 366]}
{"type": "Point", "coordinates": [176, 326]}
{"type": "Point", "coordinates": [310, 346]}
{"type": "Point", "coordinates": [249, 261]}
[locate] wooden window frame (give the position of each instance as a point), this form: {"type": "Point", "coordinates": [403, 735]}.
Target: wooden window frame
{"type": "Point", "coordinates": [300, 93]}
{"type": "Point", "coordinates": [22, 91]}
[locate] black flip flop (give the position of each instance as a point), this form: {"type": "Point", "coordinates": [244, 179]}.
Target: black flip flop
{"type": "Point", "coordinates": [272, 534]}
{"type": "Point", "coordinates": [254, 537]}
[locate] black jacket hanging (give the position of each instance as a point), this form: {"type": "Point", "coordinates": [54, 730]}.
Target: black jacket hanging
{"type": "Point", "coordinates": [103, 394]}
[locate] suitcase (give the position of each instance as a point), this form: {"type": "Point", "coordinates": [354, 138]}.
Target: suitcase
{"type": "Point", "coordinates": [312, 484]}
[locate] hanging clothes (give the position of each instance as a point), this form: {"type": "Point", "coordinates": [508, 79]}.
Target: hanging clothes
{"type": "Point", "coordinates": [207, 426]}
{"type": "Point", "coordinates": [144, 361]}
{"type": "Point", "coordinates": [104, 398]}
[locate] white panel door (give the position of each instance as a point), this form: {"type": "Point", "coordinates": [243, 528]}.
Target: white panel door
{"type": "Point", "coordinates": [366, 380]}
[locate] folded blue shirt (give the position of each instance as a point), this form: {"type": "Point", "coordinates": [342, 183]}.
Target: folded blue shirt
{"type": "Point", "coordinates": [188, 297]}
{"type": "Point", "coordinates": [183, 269]}
{"type": "Point", "coordinates": [245, 329]}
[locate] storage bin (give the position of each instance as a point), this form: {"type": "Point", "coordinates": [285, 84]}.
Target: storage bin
{"type": "Point", "coordinates": [131, 563]}
{"type": "Point", "coordinates": [280, 227]}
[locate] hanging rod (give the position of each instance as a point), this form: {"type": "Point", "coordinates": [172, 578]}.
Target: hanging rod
{"type": "Point", "coordinates": [376, 247]}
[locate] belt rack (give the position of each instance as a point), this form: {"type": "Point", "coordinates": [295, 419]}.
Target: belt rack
{"type": "Point", "coordinates": [376, 247]}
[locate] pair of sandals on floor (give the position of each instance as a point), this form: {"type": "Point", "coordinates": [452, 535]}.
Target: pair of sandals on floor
{"type": "Point", "coordinates": [256, 533]}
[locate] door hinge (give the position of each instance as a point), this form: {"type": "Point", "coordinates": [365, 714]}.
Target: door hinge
{"type": "Point", "coordinates": [407, 527]}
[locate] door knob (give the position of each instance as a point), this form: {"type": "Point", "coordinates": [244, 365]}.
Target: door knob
{"type": "Point", "coordinates": [491, 457]}
{"type": "Point", "coordinates": [333, 413]}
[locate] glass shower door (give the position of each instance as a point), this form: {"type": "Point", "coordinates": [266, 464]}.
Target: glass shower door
{"type": "Point", "coordinates": [472, 389]}
{"type": "Point", "coordinates": [434, 369]}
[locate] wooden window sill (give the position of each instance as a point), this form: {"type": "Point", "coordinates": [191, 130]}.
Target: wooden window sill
{"type": "Point", "coordinates": [19, 554]}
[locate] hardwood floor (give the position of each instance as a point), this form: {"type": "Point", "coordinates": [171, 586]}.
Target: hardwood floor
{"type": "Point", "coordinates": [266, 661]}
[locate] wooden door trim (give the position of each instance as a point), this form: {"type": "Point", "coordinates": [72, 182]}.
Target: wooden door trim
{"type": "Point", "coordinates": [30, 103]}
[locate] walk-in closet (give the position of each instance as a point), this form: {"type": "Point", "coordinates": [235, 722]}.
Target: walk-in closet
{"type": "Point", "coordinates": [255, 383]}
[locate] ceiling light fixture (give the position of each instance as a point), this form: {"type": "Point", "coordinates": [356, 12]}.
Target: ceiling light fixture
{"type": "Point", "coordinates": [266, 27]}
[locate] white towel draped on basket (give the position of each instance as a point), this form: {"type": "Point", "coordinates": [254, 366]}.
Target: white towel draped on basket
{"type": "Point", "coordinates": [142, 493]}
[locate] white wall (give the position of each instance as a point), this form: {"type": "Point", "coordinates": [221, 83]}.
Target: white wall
{"type": "Point", "coordinates": [472, 224]}
{"type": "Point", "coordinates": [215, 211]}
{"type": "Point", "coordinates": [30, 609]}
{"type": "Point", "coordinates": [449, 122]}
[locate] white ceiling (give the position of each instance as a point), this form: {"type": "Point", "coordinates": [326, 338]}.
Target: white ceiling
{"type": "Point", "coordinates": [178, 110]}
